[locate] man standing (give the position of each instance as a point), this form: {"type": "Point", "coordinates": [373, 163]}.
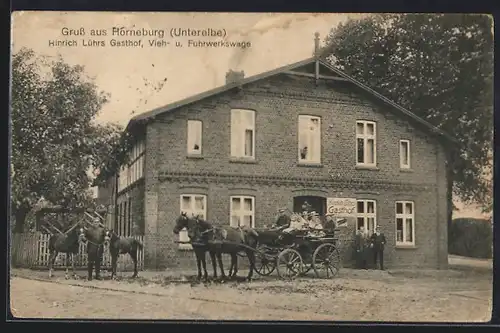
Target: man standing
{"type": "Point", "coordinates": [378, 242]}
{"type": "Point", "coordinates": [359, 247]}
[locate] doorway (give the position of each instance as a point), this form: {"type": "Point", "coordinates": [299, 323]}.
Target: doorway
{"type": "Point", "coordinates": [318, 204]}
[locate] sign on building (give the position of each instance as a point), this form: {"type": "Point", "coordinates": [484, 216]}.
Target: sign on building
{"type": "Point", "coordinates": [341, 207]}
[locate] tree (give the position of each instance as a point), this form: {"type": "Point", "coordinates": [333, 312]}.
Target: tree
{"type": "Point", "coordinates": [440, 67]}
{"type": "Point", "coordinates": [55, 140]}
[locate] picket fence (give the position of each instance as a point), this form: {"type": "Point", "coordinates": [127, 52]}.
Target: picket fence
{"type": "Point", "coordinates": [31, 250]}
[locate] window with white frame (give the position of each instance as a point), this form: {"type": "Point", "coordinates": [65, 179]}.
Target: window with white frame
{"type": "Point", "coordinates": [194, 133]}
{"type": "Point", "coordinates": [243, 133]}
{"type": "Point", "coordinates": [404, 154]}
{"type": "Point", "coordinates": [242, 211]}
{"type": "Point", "coordinates": [405, 223]}
{"type": "Point", "coordinates": [309, 139]}
{"type": "Point", "coordinates": [366, 216]}
{"type": "Point", "coordinates": [366, 143]}
{"type": "Point", "coordinates": [192, 205]}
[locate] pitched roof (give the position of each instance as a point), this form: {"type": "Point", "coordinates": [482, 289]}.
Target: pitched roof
{"type": "Point", "coordinates": [147, 116]}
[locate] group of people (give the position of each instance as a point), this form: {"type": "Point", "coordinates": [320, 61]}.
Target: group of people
{"type": "Point", "coordinates": [369, 248]}
{"type": "Point", "coordinates": [309, 219]}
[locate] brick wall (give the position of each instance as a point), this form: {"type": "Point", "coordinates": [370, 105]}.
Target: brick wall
{"type": "Point", "coordinates": [274, 176]}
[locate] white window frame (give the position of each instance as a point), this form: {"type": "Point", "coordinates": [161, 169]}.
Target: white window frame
{"type": "Point", "coordinates": [313, 139]}
{"type": "Point", "coordinates": [365, 136]}
{"type": "Point", "coordinates": [404, 215]}
{"type": "Point", "coordinates": [238, 132]}
{"type": "Point", "coordinates": [365, 215]}
{"type": "Point", "coordinates": [242, 212]}
{"type": "Point", "coordinates": [402, 163]}
{"type": "Point", "coordinates": [193, 126]}
{"type": "Point", "coordinates": [183, 234]}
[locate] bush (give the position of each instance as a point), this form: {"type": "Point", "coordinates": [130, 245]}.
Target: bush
{"type": "Point", "coordinates": [471, 238]}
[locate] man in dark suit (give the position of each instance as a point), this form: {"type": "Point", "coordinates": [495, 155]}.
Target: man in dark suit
{"type": "Point", "coordinates": [359, 247]}
{"type": "Point", "coordinates": [377, 241]}
{"type": "Point", "coordinates": [283, 220]}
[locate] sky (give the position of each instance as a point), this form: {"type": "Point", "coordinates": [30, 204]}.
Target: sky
{"type": "Point", "coordinates": [127, 74]}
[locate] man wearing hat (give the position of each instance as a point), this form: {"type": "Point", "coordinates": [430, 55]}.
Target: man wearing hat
{"type": "Point", "coordinates": [283, 220]}
{"type": "Point", "coordinates": [377, 241]}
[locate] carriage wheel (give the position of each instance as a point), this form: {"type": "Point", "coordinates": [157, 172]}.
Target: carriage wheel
{"type": "Point", "coordinates": [289, 264]}
{"type": "Point", "coordinates": [326, 261]}
{"type": "Point", "coordinates": [264, 263]}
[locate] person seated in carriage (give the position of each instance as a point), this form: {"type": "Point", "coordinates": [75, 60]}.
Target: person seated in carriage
{"type": "Point", "coordinates": [283, 220]}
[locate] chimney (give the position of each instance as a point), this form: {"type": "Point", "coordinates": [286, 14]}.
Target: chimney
{"type": "Point", "coordinates": [234, 76]}
{"type": "Point", "coordinates": [316, 45]}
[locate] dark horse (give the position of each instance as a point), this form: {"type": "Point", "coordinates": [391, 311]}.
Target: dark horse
{"type": "Point", "coordinates": [122, 245]}
{"type": "Point", "coordinates": [95, 237]}
{"type": "Point", "coordinates": [218, 240]}
{"type": "Point", "coordinates": [66, 243]}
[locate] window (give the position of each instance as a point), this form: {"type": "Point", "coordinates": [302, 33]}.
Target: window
{"type": "Point", "coordinates": [192, 205]}
{"type": "Point", "coordinates": [404, 154]}
{"type": "Point", "coordinates": [123, 227]}
{"type": "Point", "coordinates": [130, 224]}
{"type": "Point", "coordinates": [243, 133]}
{"type": "Point", "coordinates": [194, 132]}
{"type": "Point", "coordinates": [366, 143]}
{"type": "Point", "coordinates": [133, 171]}
{"type": "Point", "coordinates": [242, 211]}
{"type": "Point", "coordinates": [405, 223]}
{"type": "Point", "coordinates": [366, 215]}
{"type": "Point", "coordinates": [309, 139]}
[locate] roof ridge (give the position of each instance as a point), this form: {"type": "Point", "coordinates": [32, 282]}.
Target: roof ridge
{"type": "Point", "coordinates": [212, 92]}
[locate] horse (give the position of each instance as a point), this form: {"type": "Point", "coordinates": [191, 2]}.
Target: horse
{"type": "Point", "coordinates": [220, 239]}
{"type": "Point", "coordinates": [95, 237]}
{"type": "Point", "coordinates": [122, 245]}
{"type": "Point", "coordinates": [199, 246]}
{"type": "Point", "coordinates": [69, 244]}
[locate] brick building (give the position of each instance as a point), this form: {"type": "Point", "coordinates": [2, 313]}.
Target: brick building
{"type": "Point", "coordinates": [306, 131]}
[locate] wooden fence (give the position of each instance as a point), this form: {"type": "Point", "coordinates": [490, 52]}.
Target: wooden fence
{"type": "Point", "coordinates": [31, 250]}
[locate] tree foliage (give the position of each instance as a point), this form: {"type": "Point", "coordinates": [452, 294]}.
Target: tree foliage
{"type": "Point", "coordinates": [439, 66]}
{"type": "Point", "coordinates": [471, 238]}
{"type": "Point", "coordinates": [55, 140]}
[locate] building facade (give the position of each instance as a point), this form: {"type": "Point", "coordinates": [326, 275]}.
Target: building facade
{"type": "Point", "coordinates": [238, 153]}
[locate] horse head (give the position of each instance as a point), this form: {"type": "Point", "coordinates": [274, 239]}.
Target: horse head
{"type": "Point", "coordinates": [181, 223]}
{"type": "Point", "coordinates": [109, 236]}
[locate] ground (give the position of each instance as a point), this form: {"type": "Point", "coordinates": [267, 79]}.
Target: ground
{"type": "Point", "coordinates": [462, 293]}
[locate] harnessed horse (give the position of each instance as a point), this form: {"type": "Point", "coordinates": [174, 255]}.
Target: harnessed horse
{"type": "Point", "coordinates": [217, 240]}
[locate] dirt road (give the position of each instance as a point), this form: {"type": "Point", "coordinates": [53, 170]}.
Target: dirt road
{"type": "Point", "coordinates": [51, 300]}
{"type": "Point", "coordinates": [354, 295]}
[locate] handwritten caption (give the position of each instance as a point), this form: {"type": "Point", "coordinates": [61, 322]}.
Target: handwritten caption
{"type": "Point", "coordinates": [141, 37]}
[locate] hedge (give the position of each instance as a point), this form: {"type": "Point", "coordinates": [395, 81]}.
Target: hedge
{"type": "Point", "coordinates": [470, 238]}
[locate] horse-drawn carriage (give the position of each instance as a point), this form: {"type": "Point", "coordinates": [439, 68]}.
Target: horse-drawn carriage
{"type": "Point", "coordinates": [306, 244]}
{"type": "Point", "coordinates": [295, 251]}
